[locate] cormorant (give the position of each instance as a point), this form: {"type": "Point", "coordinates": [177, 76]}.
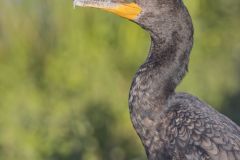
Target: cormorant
{"type": "Point", "coordinates": [171, 126]}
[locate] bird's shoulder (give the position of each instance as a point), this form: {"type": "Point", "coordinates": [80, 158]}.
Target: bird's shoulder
{"type": "Point", "coordinates": [194, 124]}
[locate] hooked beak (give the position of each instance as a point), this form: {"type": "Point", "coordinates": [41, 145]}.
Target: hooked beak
{"type": "Point", "coordinates": [126, 10]}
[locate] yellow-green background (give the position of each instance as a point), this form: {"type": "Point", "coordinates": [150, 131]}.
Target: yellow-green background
{"type": "Point", "coordinates": [65, 75]}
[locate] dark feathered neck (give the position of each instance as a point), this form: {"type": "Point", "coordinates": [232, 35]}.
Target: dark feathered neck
{"type": "Point", "coordinates": [164, 68]}
{"type": "Point", "coordinates": [167, 62]}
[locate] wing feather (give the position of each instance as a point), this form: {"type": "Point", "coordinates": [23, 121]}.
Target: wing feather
{"type": "Point", "coordinates": [200, 131]}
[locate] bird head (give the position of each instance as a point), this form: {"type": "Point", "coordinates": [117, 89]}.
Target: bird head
{"type": "Point", "coordinates": [143, 12]}
{"type": "Point", "coordinates": [152, 15]}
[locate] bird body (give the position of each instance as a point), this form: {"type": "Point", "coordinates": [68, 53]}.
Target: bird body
{"type": "Point", "coordinates": [188, 129]}
{"type": "Point", "coordinates": [174, 126]}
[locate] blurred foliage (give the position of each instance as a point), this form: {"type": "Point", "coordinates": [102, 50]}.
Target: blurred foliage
{"type": "Point", "coordinates": [65, 75]}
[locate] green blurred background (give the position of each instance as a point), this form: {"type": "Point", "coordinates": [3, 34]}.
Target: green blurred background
{"type": "Point", "coordinates": [65, 76]}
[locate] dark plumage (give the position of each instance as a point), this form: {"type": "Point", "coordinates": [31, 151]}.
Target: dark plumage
{"type": "Point", "coordinates": [175, 126]}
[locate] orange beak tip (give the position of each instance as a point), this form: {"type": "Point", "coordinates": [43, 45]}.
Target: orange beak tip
{"type": "Point", "coordinates": [126, 10]}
